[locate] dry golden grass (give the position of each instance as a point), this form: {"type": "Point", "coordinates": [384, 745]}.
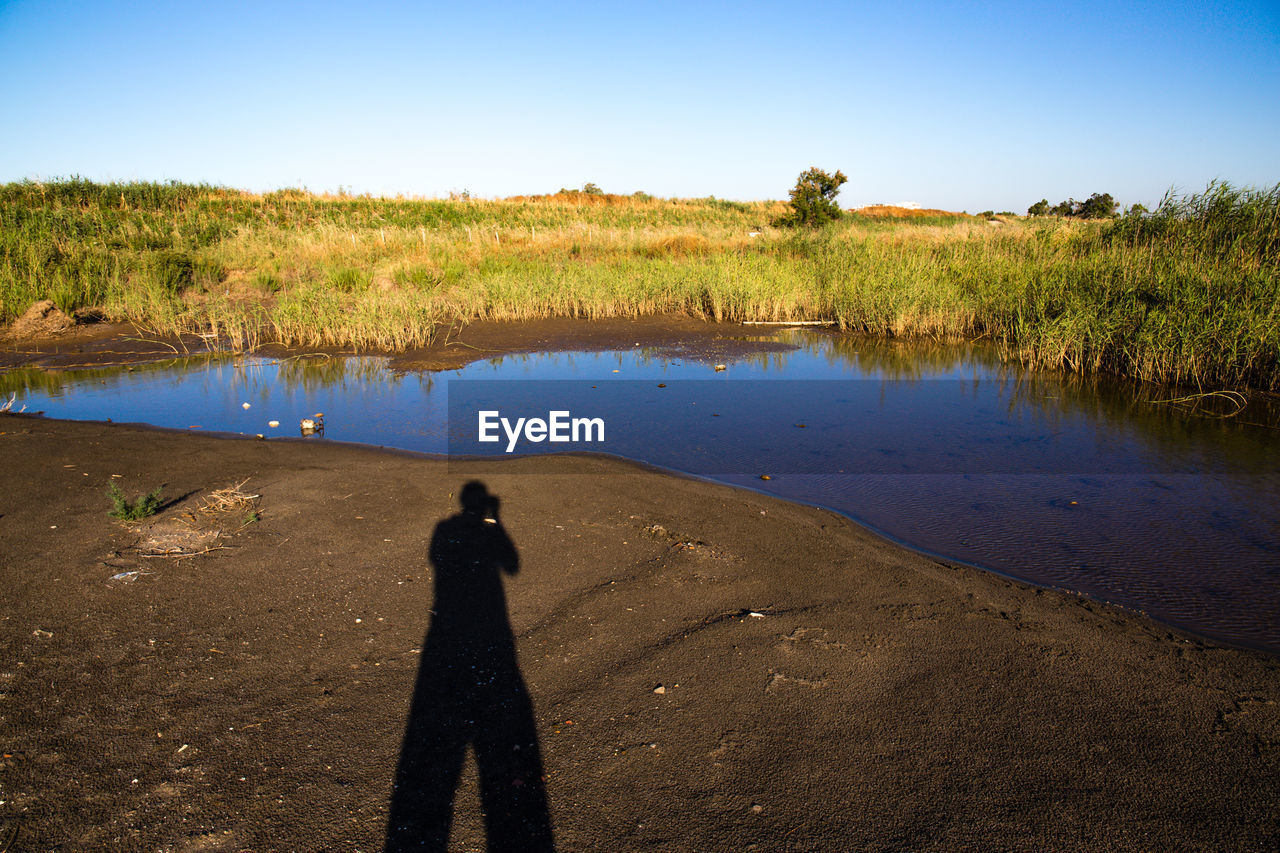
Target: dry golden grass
{"type": "Point", "coordinates": [1189, 296]}
{"type": "Point", "coordinates": [890, 211]}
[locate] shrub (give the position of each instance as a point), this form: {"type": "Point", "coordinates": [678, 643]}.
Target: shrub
{"type": "Point", "coordinates": [123, 509]}
{"type": "Point", "coordinates": [349, 280]}
{"type": "Point", "coordinates": [813, 200]}
{"type": "Point", "coordinates": [174, 271]}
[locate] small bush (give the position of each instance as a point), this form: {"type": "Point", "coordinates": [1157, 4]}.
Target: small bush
{"type": "Point", "coordinates": [174, 271]}
{"type": "Point", "coordinates": [813, 200]}
{"type": "Point", "coordinates": [348, 280]}
{"type": "Point", "coordinates": [125, 510]}
{"type": "Point", "coordinates": [420, 276]}
{"type": "Point", "coordinates": [267, 281]}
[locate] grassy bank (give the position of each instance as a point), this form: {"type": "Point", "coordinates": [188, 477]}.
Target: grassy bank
{"type": "Point", "coordinates": [1188, 294]}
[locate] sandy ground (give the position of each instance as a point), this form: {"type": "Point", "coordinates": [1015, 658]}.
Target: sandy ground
{"type": "Point", "coordinates": [626, 660]}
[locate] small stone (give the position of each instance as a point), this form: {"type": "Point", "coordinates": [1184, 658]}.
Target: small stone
{"type": "Point", "coordinates": [659, 690]}
{"type": "Point", "coordinates": [756, 808]}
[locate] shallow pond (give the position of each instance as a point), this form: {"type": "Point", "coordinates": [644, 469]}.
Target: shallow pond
{"type": "Point", "coordinates": [1163, 507]}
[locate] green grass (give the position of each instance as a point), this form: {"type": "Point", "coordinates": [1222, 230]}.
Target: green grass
{"type": "Point", "coordinates": [122, 508]}
{"type": "Point", "coordinates": [1187, 294]}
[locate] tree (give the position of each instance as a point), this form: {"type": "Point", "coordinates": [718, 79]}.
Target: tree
{"type": "Point", "coordinates": [813, 200]}
{"type": "Point", "coordinates": [1097, 206]}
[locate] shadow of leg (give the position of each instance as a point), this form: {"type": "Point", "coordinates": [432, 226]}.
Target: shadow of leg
{"type": "Point", "coordinates": [512, 790]}
{"type": "Point", "coordinates": [431, 758]}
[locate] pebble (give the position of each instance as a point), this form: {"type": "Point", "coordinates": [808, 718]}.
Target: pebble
{"type": "Point", "coordinates": [659, 690]}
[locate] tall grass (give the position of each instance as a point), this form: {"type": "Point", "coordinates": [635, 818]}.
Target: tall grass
{"type": "Point", "coordinates": [1188, 293]}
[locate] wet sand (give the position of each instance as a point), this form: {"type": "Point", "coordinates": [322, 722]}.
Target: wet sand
{"type": "Point", "coordinates": [685, 666]}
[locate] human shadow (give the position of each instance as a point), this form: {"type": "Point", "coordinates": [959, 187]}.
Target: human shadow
{"type": "Point", "coordinates": [470, 693]}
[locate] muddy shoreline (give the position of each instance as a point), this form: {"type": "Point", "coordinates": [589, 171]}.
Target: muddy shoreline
{"type": "Point", "coordinates": [99, 345]}
{"type": "Point", "coordinates": [707, 668]}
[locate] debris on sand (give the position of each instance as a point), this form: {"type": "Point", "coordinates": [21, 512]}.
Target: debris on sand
{"type": "Point", "coordinates": [230, 499]}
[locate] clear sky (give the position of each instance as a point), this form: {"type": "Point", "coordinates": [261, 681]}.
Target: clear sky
{"type": "Point", "coordinates": [954, 105]}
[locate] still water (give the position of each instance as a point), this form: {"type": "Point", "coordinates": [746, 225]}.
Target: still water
{"type": "Point", "coordinates": [1108, 490]}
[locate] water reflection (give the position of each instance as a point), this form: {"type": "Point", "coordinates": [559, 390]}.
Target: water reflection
{"type": "Point", "coordinates": [1064, 480]}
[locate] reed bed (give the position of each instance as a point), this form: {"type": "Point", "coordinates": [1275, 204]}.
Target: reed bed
{"type": "Point", "coordinates": [1186, 294]}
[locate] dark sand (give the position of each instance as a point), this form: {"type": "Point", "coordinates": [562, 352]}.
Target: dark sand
{"type": "Point", "coordinates": [256, 697]}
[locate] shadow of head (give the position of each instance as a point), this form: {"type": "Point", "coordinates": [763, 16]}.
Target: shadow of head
{"type": "Point", "coordinates": [475, 498]}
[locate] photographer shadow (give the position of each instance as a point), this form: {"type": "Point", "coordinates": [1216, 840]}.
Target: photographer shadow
{"type": "Point", "coordinates": [470, 693]}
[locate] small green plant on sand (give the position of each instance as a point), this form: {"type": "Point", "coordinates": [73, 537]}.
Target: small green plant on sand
{"type": "Point", "coordinates": [122, 508]}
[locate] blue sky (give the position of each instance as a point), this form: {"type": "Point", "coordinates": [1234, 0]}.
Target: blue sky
{"type": "Point", "coordinates": [955, 105]}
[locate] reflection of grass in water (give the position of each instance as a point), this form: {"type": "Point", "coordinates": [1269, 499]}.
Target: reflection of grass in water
{"type": "Point", "coordinates": [903, 359]}
{"type": "Point", "coordinates": [316, 372]}
{"type": "Point", "coordinates": [296, 372]}
{"type": "Point", "coordinates": [1187, 294]}
{"type": "Point", "coordinates": [52, 382]}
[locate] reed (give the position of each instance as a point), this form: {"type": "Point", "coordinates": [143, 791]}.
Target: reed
{"type": "Point", "coordinates": [1186, 294]}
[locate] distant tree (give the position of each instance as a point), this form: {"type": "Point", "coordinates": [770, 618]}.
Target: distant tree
{"type": "Point", "coordinates": [1136, 209]}
{"type": "Point", "coordinates": [1097, 206]}
{"type": "Point", "coordinates": [587, 189]}
{"type": "Point", "coordinates": [813, 200]}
